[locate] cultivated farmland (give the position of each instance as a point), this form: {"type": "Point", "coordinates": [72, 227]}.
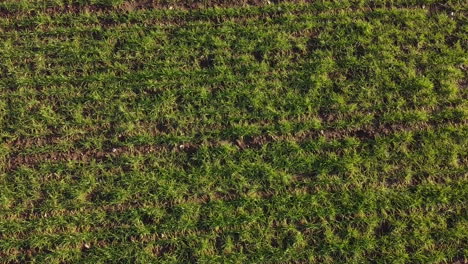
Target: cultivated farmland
{"type": "Point", "coordinates": [233, 131]}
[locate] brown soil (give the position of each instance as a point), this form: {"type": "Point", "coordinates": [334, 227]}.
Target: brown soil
{"type": "Point", "coordinates": [254, 142]}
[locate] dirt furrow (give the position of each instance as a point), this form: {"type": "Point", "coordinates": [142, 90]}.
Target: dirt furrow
{"type": "Point", "coordinates": [365, 133]}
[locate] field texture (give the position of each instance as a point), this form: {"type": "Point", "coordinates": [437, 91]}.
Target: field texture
{"type": "Point", "coordinates": [233, 131]}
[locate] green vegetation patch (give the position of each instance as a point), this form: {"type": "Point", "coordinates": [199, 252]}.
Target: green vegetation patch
{"type": "Point", "coordinates": [233, 132]}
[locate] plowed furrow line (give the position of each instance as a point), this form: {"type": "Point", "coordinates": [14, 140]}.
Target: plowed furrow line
{"type": "Point", "coordinates": [364, 133]}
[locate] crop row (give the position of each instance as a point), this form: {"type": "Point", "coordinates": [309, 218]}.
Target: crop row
{"type": "Point", "coordinates": [325, 74]}
{"type": "Point", "coordinates": [402, 158]}
{"type": "Point", "coordinates": [355, 217]}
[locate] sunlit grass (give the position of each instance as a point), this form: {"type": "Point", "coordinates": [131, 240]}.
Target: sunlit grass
{"type": "Point", "coordinates": [238, 132]}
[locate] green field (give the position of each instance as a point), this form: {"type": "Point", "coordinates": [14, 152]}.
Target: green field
{"type": "Point", "coordinates": [233, 131]}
